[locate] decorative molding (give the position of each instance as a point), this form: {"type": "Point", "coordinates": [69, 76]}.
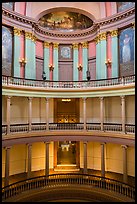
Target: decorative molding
{"type": "Point", "coordinates": [114, 33]}
{"type": "Point", "coordinates": [55, 45]}
{"type": "Point", "coordinates": [33, 38]}
{"type": "Point", "coordinates": [103, 36]}
{"type": "Point", "coordinates": [28, 35]}
{"type": "Point", "coordinates": [17, 31]}
{"type": "Point", "coordinates": [75, 45]}
{"type": "Point", "coordinates": [46, 44]}
{"type": "Point", "coordinates": [27, 21]}
{"type": "Point", "coordinates": [85, 44]}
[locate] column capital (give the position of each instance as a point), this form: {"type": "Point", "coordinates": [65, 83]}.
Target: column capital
{"type": "Point", "coordinates": [46, 44]}
{"type": "Point", "coordinates": [8, 97]}
{"type": "Point", "coordinates": [101, 98]}
{"type": "Point", "coordinates": [84, 99]}
{"type": "Point", "coordinates": [47, 99]}
{"type": "Point", "coordinates": [28, 35]}
{"type": "Point", "coordinates": [55, 45]}
{"type": "Point", "coordinates": [85, 44]}
{"type": "Point", "coordinates": [47, 142]}
{"type": "Point", "coordinates": [33, 38]}
{"type": "Point", "coordinates": [85, 142]}
{"type": "Point", "coordinates": [103, 143]}
{"type": "Point", "coordinates": [114, 33]}
{"type": "Point", "coordinates": [122, 97]}
{"type": "Point", "coordinates": [97, 39]}
{"type": "Point", "coordinates": [7, 147]}
{"type": "Point", "coordinates": [133, 25]}
{"type": "Point", "coordinates": [30, 98]}
{"type": "Point", "coordinates": [75, 45]}
{"type": "Point", "coordinates": [103, 36]}
{"type": "Point", "coordinates": [124, 146]}
{"type": "Point", "coordinates": [17, 31]}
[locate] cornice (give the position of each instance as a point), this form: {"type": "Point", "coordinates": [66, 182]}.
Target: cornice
{"type": "Point", "coordinates": [27, 21]}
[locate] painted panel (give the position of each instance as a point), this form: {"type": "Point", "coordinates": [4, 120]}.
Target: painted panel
{"type": "Point", "coordinates": [8, 5]}
{"type": "Point", "coordinates": [92, 69]}
{"type": "Point", "coordinates": [6, 51]}
{"type": "Point", "coordinates": [126, 50]}
{"type": "Point", "coordinates": [39, 68]}
{"type": "Point", "coordinates": [65, 71]}
{"type": "Point", "coordinates": [121, 6]}
{"type": "Point", "coordinates": [65, 21]}
{"type": "Point", "coordinates": [39, 49]}
{"type": "Point", "coordinates": [91, 49]}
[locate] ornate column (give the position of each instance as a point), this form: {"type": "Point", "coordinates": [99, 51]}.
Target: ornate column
{"type": "Point", "coordinates": [84, 113]}
{"type": "Point", "coordinates": [85, 157]}
{"type": "Point", "coordinates": [98, 58]}
{"type": "Point", "coordinates": [102, 159]}
{"type": "Point", "coordinates": [55, 62]}
{"type": "Point", "coordinates": [8, 114]}
{"type": "Point", "coordinates": [7, 161]}
{"type": "Point", "coordinates": [51, 67]}
{"type": "Point", "coordinates": [123, 115]}
{"type": "Point", "coordinates": [101, 112]}
{"type": "Point", "coordinates": [29, 160]}
{"type": "Point", "coordinates": [47, 113]}
{"type": "Point", "coordinates": [115, 70]}
{"type": "Point", "coordinates": [30, 68]}
{"type": "Point", "coordinates": [80, 62]}
{"type": "Point", "coordinates": [108, 59]}
{"type": "Point", "coordinates": [85, 59]}
{"type": "Point", "coordinates": [30, 112]}
{"type": "Point", "coordinates": [46, 60]}
{"type": "Point", "coordinates": [124, 163]}
{"type": "Point", "coordinates": [16, 64]}
{"type": "Point", "coordinates": [75, 62]}
{"type": "Point", "coordinates": [103, 50]}
{"type": "Point", "coordinates": [47, 158]}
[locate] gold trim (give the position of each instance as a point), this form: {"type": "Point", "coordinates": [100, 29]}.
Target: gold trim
{"type": "Point", "coordinates": [133, 25]}
{"type": "Point", "coordinates": [33, 38]}
{"type": "Point", "coordinates": [46, 44]}
{"type": "Point", "coordinates": [85, 44]}
{"type": "Point", "coordinates": [97, 39]}
{"type": "Point", "coordinates": [17, 31]}
{"type": "Point", "coordinates": [114, 33]}
{"type": "Point", "coordinates": [28, 35]}
{"type": "Point", "coordinates": [75, 45]}
{"type": "Point", "coordinates": [55, 45]}
{"type": "Point", "coordinates": [103, 36]}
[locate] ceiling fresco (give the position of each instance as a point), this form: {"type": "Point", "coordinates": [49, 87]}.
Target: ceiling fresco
{"type": "Point", "coordinates": [65, 21]}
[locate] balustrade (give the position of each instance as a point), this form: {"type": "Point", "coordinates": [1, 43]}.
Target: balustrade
{"type": "Point", "coordinates": [55, 180]}
{"type": "Point", "coordinates": [7, 80]}
{"type": "Point", "coordinates": [16, 128]}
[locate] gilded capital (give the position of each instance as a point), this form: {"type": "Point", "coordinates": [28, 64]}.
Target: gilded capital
{"type": "Point", "coordinates": [33, 38]}
{"type": "Point", "coordinates": [114, 33]}
{"type": "Point", "coordinates": [55, 45]}
{"type": "Point", "coordinates": [75, 46]}
{"type": "Point", "coordinates": [46, 44]}
{"type": "Point", "coordinates": [17, 31]}
{"type": "Point", "coordinates": [28, 35]}
{"type": "Point", "coordinates": [97, 39]}
{"type": "Point", "coordinates": [103, 36]}
{"type": "Point", "coordinates": [133, 25]}
{"type": "Point", "coordinates": [85, 44]}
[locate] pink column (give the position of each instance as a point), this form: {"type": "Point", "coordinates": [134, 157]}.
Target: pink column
{"type": "Point", "coordinates": [92, 55]}
{"type": "Point", "coordinates": [80, 60]}
{"type": "Point", "coordinates": [22, 55]}
{"type": "Point", "coordinates": [109, 56]}
{"type": "Point", "coordinates": [51, 60]}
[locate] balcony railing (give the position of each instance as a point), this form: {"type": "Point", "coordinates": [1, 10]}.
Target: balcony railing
{"type": "Point", "coordinates": [8, 80]}
{"type": "Point", "coordinates": [55, 180]}
{"type": "Point", "coordinates": [18, 128]}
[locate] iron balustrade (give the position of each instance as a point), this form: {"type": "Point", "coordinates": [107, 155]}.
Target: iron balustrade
{"type": "Point", "coordinates": [16, 128]}
{"type": "Point", "coordinates": [8, 80]}
{"type": "Point", "coordinates": [55, 180]}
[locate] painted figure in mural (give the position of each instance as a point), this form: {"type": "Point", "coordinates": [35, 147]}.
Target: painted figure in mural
{"type": "Point", "coordinates": [126, 52]}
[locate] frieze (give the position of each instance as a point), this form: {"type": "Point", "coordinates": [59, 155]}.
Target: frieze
{"type": "Point", "coordinates": [87, 32]}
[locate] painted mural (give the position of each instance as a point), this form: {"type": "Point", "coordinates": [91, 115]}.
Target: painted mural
{"type": "Point", "coordinates": [126, 48]}
{"type": "Point", "coordinates": [65, 21]}
{"type": "Point", "coordinates": [124, 5]}
{"type": "Point", "coordinates": [8, 5]}
{"type": "Point", "coordinates": [6, 51]}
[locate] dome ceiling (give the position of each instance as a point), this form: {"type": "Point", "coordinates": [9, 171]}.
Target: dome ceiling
{"type": "Point", "coordinates": [65, 21]}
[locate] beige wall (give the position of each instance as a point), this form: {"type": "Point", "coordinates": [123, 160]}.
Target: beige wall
{"type": "Point", "coordinates": [34, 9]}
{"type": "Point", "coordinates": [113, 157]}
{"type": "Point", "coordinates": [93, 110]}
{"type": "Point", "coordinates": [130, 109]}
{"type": "Point", "coordinates": [4, 110]}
